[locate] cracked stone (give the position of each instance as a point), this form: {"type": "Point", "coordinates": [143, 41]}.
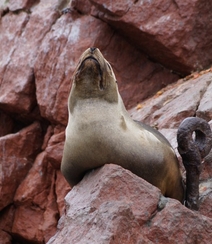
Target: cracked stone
{"type": "Point", "coordinates": [181, 100]}
{"type": "Point", "coordinates": [179, 29]}
{"type": "Point", "coordinates": [17, 93]}
{"type": "Point", "coordinates": [17, 154]}
{"type": "Point", "coordinates": [205, 107]}
{"type": "Point", "coordinates": [35, 197]}
{"type": "Point", "coordinates": [111, 205]}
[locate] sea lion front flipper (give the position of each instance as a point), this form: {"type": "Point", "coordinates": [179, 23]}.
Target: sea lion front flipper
{"type": "Point", "coordinates": [192, 151]}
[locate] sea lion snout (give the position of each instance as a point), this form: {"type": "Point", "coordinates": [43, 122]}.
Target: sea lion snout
{"type": "Point", "coordinates": [93, 52]}
{"type": "Point", "coordinates": [92, 49]}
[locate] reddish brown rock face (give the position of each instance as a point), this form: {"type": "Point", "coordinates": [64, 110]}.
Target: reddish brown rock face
{"type": "Point", "coordinates": [173, 33]}
{"type": "Point", "coordinates": [178, 101]}
{"type": "Point", "coordinates": [17, 154]}
{"type": "Point", "coordinates": [145, 41]}
{"type": "Point", "coordinates": [17, 92]}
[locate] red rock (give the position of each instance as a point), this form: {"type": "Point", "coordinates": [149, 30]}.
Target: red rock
{"type": "Point", "coordinates": [182, 106]}
{"type": "Point", "coordinates": [23, 227]}
{"type": "Point", "coordinates": [54, 149]}
{"type": "Point", "coordinates": [17, 92]}
{"type": "Point", "coordinates": [35, 197]}
{"type": "Point", "coordinates": [205, 107]}
{"type": "Point", "coordinates": [61, 189]}
{"type": "Point", "coordinates": [102, 208]}
{"type": "Point", "coordinates": [51, 214]}
{"type": "Point", "coordinates": [11, 26]}
{"type": "Point", "coordinates": [151, 105]}
{"type": "Point", "coordinates": [6, 221]}
{"type": "Point", "coordinates": [16, 158]}
{"type": "Point", "coordinates": [181, 100]}
{"type": "Point", "coordinates": [5, 238]}
{"type": "Point", "coordinates": [177, 224]}
{"type": "Point", "coordinates": [6, 124]}
{"type": "Point", "coordinates": [206, 173]}
{"type": "Point", "coordinates": [205, 198]}
{"type": "Point", "coordinates": [83, 6]}
{"type": "Point", "coordinates": [15, 5]}
{"type": "Point", "coordinates": [112, 205]}
{"type": "Point", "coordinates": [49, 133]}
{"type": "Point", "coordinates": [207, 167]}
{"type": "Point", "coordinates": [36, 184]}
{"type": "Point", "coordinates": [175, 34]}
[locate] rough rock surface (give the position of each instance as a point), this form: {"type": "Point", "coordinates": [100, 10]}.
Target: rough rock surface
{"type": "Point", "coordinates": [17, 154]}
{"type": "Point", "coordinates": [179, 29]}
{"type": "Point", "coordinates": [112, 205]}
{"type": "Point", "coordinates": [180, 100]}
{"type": "Point", "coordinates": [39, 50]}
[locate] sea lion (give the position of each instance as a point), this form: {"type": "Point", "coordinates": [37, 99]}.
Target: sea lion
{"type": "Point", "coordinates": [100, 131]}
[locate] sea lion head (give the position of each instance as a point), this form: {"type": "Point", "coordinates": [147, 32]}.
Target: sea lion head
{"type": "Point", "coordinates": [93, 78]}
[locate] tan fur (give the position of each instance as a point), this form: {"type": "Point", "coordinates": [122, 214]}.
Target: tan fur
{"type": "Point", "coordinates": [100, 131]}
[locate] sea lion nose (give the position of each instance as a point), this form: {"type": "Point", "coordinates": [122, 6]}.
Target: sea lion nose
{"type": "Point", "coordinates": [92, 49]}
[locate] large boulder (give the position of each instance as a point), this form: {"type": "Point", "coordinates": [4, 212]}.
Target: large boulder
{"type": "Point", "coordinates": [112, 205]}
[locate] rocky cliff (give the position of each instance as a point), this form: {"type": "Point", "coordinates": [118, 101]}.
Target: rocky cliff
{"type": "Point", "coordinates": [151, 45]}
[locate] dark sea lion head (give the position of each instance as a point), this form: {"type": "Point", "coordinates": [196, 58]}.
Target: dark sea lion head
{"type": "Point", "coordinates": [94, 78]}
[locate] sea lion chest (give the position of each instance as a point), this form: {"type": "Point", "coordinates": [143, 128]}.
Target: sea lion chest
{"type": "Point", "coordinates": [99, 134]}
